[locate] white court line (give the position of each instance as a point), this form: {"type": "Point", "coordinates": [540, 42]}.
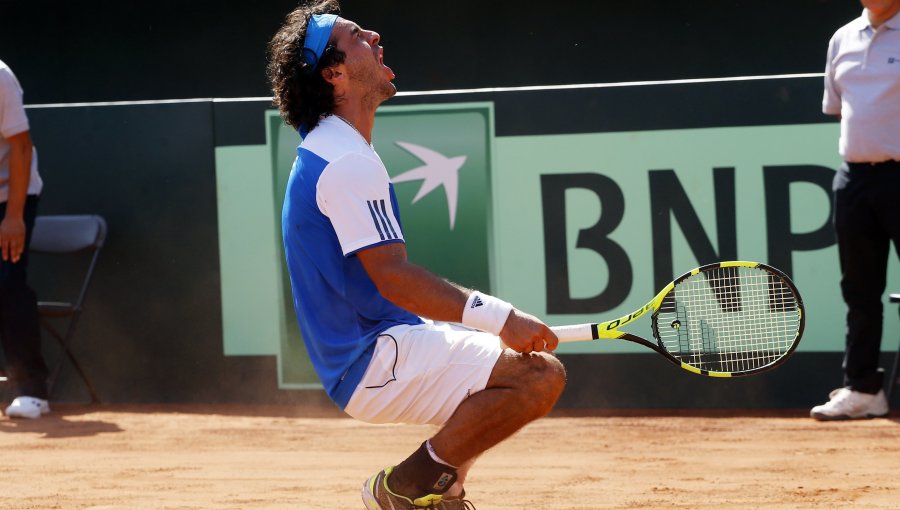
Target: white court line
{"type": "Point", "coordinates": [485, 90]}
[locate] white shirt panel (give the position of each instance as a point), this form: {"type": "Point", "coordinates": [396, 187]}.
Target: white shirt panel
{"type": "Point", "coordinates": [354, 192]}
{"type": "Point", "coordinates": [333, 138]}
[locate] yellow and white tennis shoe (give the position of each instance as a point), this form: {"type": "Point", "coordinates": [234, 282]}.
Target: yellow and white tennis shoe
{"type": "Point", "coordinates": [455, 504]}
{"type": "Point", "coordinates": [376, 495]}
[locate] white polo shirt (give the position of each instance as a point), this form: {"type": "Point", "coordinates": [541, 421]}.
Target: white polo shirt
{"type": "Point", "coordinates": [12, 122]}
{"type": "Point", "coordinates": [862, 84]}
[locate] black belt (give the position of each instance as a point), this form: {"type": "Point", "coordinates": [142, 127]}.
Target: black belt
{"type": "Point", "coordinates": [883, 165]}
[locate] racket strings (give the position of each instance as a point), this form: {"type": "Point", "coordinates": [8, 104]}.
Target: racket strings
{"type": "Point", "coordinates": [729, 319]}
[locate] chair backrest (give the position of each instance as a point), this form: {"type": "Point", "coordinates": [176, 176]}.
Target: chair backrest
{"type": "Point", "coordinates": [63, 234]}
{"type": "Point", "coordinates": [67, 233]}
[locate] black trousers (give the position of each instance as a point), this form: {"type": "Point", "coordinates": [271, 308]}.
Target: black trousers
{"type": "Point", "coordinates": [866, 220]}
{"type": "Point", "coordinates": [19, 321]}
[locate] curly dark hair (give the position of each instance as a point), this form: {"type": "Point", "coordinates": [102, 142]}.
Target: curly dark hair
{"type": "Point", "coordinates": [300, 93]}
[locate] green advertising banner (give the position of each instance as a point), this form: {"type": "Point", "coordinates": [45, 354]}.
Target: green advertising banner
{"type": "Point", "coordinates": [572, 228]}
{"type": "Point", "coordinates": [589, 227]}
{"type": "Point", "coordinates": [439, 158]}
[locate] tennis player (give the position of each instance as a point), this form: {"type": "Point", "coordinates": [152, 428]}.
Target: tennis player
{"type": "Point", "coordinates": [390, 341]}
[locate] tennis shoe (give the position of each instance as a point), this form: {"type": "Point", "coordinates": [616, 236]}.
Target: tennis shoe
{"type": "Point", "coordinates": [377, 496]}
{"type": "Point", "coordinates": [846, 404]}
{"type": "Point", "coordinates": [27, 407]}
{"type": "Point", "coordinates": [455, 504]}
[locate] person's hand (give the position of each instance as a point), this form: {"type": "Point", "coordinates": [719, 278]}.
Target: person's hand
{"type": "Point", "coordinates": [12, 238]}
{"type": "Point", "coordinates": [526, 333]}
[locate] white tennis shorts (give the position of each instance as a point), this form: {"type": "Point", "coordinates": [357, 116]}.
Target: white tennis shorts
{"type": "Point", "coordinates": [420, 374]}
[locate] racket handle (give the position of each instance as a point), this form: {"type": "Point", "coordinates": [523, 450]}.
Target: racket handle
{"type": "Point", "coordinates": [573, 333]}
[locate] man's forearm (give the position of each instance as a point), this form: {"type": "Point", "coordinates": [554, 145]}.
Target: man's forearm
{"type": "Point", "coordinates": [425, 294]}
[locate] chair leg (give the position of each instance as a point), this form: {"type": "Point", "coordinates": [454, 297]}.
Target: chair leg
{"type": "Point", "coordinates": [63, 344]}
{"type": "Point", "coordinates": [892, 382]}
{"type": "Point", "coordinates": [81, 373]}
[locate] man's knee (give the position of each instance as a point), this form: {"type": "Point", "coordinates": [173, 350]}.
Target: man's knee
{"type": "Point", "coordinates": [537, 378]}
{"type": "Point", "coordinates": [550, 381]}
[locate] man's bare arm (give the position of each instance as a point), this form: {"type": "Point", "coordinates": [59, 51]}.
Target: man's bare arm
{"type": "Point", "coordinates": [12, 226]}
{"type": "Point", "coordinates": [412, 287]}
{"type": "Point", "coordinates": [425, 294]}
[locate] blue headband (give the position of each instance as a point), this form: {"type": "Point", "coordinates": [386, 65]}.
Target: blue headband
{"type": "Point", "coordinates": [317, 33]}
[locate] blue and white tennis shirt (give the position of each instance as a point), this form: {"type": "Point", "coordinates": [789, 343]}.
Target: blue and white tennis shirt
{"type": "Point", "coordinates": [339, 200]}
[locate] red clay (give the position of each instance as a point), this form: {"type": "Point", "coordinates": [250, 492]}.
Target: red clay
{"type": "Point", "coordinates": [267, 458]}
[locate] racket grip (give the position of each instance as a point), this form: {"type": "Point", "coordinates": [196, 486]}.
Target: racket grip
{"type": "Point", "coordinates": [573, 333]}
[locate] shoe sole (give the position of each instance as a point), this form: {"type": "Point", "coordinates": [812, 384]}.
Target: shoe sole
{"type": "Point", "coordinates": [368, 496]}
{"type": "Point", "coordinates": [19, 415]}
{"type": "Point", "coordinates": [845, 417]}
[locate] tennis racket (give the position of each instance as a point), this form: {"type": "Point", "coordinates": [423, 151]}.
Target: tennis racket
{"type": "Point", "coordinates": [726, 319]}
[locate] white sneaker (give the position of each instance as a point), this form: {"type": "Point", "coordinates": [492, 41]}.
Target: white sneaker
{"type": "Point", "coordinates": [846, 404]}
{"type": "Point", "coordinates": [27, 407]}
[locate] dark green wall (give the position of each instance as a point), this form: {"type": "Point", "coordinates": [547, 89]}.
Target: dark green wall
{"type": "Point", "coordinates": [92, 50]}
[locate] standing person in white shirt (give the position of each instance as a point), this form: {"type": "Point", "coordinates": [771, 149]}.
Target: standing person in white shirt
{"type": "Point", "coordinates": [862, 87]}
{"type": "Point", "coordinates": [20, 187]}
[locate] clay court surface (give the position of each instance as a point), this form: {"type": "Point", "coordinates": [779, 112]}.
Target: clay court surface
{"type": "Point", "coordinates": [237, 457]}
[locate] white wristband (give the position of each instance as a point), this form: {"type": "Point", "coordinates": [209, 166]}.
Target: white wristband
{"type": "Point", "coordinates": [485, 312]}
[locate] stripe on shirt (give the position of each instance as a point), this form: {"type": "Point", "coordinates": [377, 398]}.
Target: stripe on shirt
{"type": "Point", "coordinates": [373, 210]}
{"type": "Point", "coordinates": [385, 217]}
{"type": "Point", "coordinates": [381, 219]}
